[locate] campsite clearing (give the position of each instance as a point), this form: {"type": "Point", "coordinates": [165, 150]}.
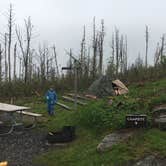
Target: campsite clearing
{"type": "Point", "coordinates": [93, 122]}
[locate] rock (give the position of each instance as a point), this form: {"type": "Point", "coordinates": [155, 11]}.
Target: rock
{"type": "Point", "coordinates": [148, 161]}
{"type": "Point", "coordinates": [159, 117]}
{"type": "Point", "coordinates": [161, 122]}
{"type": "Point", "coordinates": [110, 102]}
{"type": "Point", "coordinates": [151, 161]}
{"type": "Point", "coordinates": [101, 87]}
{"type": "Point", "coordinates": [159, 110]}
{"type": "Point", "coordinates": [112, 139]}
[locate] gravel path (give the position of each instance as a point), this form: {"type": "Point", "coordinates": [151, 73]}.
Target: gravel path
{"type": "Point", "coordinates": [19, 149]}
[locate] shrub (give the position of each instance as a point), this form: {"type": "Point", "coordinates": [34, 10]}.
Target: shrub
{"type": "Point", "coordinates": [101, 116]}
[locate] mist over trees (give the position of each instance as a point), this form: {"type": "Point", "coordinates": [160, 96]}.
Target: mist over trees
{"type": "Point", "coordinates": [25, 70]}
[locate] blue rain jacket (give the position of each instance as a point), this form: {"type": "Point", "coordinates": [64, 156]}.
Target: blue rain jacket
{"type": "Point", "coordinates": [51, 97]}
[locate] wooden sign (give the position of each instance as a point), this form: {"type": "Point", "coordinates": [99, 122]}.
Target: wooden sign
{"type": "Point", "coordinates": [136, 121]}
{"type": "Point", "coordinates": [66, 68]}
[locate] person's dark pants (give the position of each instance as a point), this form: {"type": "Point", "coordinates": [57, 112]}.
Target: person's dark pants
{"type": "Point", "coordinates": [51, 109]}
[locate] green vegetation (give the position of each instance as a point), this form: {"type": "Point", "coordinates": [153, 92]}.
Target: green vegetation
{"type": "Point", "coordinates": [96, 120]}
{"type": "Point", "coordinates": [83, 151]}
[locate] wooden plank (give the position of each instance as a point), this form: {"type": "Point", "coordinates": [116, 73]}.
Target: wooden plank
{"type": "Point", "coordinates": [92, 97]}
{"type": "Point", "coordinates": [78, 96]}
{"type": "Point", "coordinates": [72, 100]}
{"type": "Point", "coordinates": [30, 113]}
{"type": "Point", "coordinates": [63, 106]}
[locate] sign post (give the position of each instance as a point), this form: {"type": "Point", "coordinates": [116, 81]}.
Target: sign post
{"type": "Point", "coordinates": [75, 68]}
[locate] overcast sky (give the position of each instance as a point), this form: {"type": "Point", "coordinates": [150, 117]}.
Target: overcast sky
{"type": "Point", "coordinates": [61, 22]}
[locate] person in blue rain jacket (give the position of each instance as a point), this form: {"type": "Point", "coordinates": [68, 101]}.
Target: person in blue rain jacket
{"type": "Point", "coordinates": [51, 98]}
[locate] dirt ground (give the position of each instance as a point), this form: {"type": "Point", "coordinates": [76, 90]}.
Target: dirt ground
{"type": "Point", "coordinates": [20, 148]}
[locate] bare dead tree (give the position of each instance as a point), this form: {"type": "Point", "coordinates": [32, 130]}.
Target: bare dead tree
{"type": "Point", "coordinates": [1, 51]}
{"type": "Point", "coordinates": [100, 42]}
{"type": "Point", "coordinates": [126, 52]}
{"type": "Point", "coordinates": [95, 42]}
{"type": "Point", "coordinates": [38, 73]}
{"type": "Point", "coordinates": [146, 43]}
{"type": "Point", "coordinates": [70, 64]}
{"type": "Point", "coordinates": [14, 70]}
{"type": "Point", "coordinates": [30, 65]}
{"type": "Point", "coordinates": [5, 55]}
{"type": "Point", "coordinates": [110, 71]}
{"type": "Point", "coordinates": [34, 71]}
{"type": "Point", "coordinates": [111, 63]}
{"type": "Point", "coordinates": [20, 68]}
{"type": "Point", "coordinates": [113, 48]}
{"type": "Point", "coordinates": [25, 50]}
{"type": "Point", "coordinates": [139, 62]}
{"type": "Point", "coordinates": [10, 28]}
{"type": "Point", "coordinates": [121, 55]}
{"type": "Point", "coordinates": [88, 62]}
{"type": "Point", "coordinates": [82, 55]}
{"type": "Point", "coordinates": [157, 55]}
{"type": "Point", "coordinates": [47, 67]}
{"type": "Point", "coordinates": [29, 28]}
{"type": "Point", "coordinates": [162, 48]}
{"type": "Point", "coordinates": [53, 72]}
{"type": "Point", "coordinates": [70, 72]}
{"type": "Point", "coordinates": [43, 56]}
{"type": "Point", "coordinates": [56, 61]}
{"type": "Point", "coordinates": [117, 49]}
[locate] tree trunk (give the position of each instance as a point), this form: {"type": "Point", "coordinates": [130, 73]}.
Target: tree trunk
{"type": "Point", "coordinates": [15, 52]}
{"type": "Point", "coordinates": [10, 22]}
{"type": "Point", "coordinates": [6, 64]}
{"type": "Point", "coordinates": [94, 50]}
{"type": "Point", "coordinates": [56, 62]}
{"type": "Point", "coordinates": [147, 40]}
{"type": "Point", "coordinates": [0, 64]}
{"type": "Point", "coordinates": [117, 50]}
{"type": "Point", "coordinates": [101, 40]}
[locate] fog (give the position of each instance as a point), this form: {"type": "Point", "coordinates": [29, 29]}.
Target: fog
{"type": "Point", "coordinates": [61, 22]}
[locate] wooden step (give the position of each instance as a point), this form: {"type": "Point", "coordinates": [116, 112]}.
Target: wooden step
{"type": "Point", "coordinates": [29, 113]}
{"type": "Point", "coordinates": [63, 106]}
{"type": "Point", "coordinates": [78, 96]}
{"type": "Point", "coordinates": [72, 100]}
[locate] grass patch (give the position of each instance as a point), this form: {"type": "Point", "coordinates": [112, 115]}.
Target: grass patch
{"type": "Point", "coordinates": [96, 120]}
{"type": "Point", "coordinates": [83, 151]}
